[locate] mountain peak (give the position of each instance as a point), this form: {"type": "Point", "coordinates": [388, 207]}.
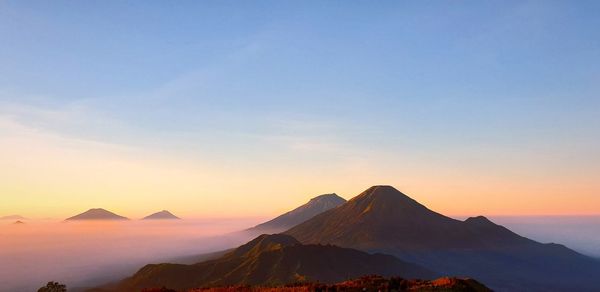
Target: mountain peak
{"type": "Point", "coordinates": [384, 197]}
{"type": "Point", "coordinates": [327, 197]}
{"type": "Point", "coordinates": [383, 191]}
{"type": "Point", "coordinates": [274, 239]}
{"type": "Point", "coordinates": [164, 214]}
{"type": "Point", "coordinates": [313, 207]}
{"type": "Point", "coordinates": [326, 201]}
{"type": "Point", "coordinates": [366, 220]}
{"type": "Point", "coordinates": [481, 220]}
{"type": "Point", "coordinates": [265, 242]}
{"type": "Point", "coordinates": [97, 214]}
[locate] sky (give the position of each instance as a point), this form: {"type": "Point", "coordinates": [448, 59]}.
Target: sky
{"type": "Point", "coordinates": [240, 108]}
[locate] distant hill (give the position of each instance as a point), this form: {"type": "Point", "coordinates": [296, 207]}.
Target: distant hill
{"type": "Point", "coordinates": [272, 260]}
{"type": "Point", "coordinates": [97, 214]}
{"type": "Point", "coordinates": [162, 215]}
{"type": "Point", "coordinates": [13, 217]}
{"type": "Point", "coordinates": [315, 206]}
{"type": "Point", "coordinates": [382, 219]}
{"type": "Point", "coordinates": [18, 222]}
{"type": "Point", "coordinates": [367, 283]}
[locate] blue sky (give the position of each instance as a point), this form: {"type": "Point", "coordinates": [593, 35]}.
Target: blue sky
{"type": "Point", "coordinates": [508, 88]}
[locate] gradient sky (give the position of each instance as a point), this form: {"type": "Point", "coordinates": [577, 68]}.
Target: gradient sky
{"type": "Point", "coordinates": [240, 108]}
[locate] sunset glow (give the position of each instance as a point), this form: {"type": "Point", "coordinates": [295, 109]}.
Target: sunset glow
{"type": "Point", "coordinates": [188, 146]}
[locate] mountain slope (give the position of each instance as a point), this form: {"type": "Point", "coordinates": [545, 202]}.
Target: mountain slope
{"type": "Point", "coordinates": [385, 220]}
{"type": "Point", "coordinates": [314, 207]}
{"type": "Point", "coordinates": [162, 215]}
{"type": "Point", "coordinates": [383, 217]}
{"type": "Point", "coordinates": [273, 260]}
{"type": "Point", "coordinates": [97, 214]}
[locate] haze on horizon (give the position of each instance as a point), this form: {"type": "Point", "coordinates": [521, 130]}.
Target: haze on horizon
{"type": "Point", "coordinates": [235, 109]}
{"type": "Point", "coordinates": [88, 253]}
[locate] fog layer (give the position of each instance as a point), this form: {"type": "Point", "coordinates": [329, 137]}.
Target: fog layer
{"type": "Point", "coordinates": [90, 253]}
{"type": "Point", "coordinates": [581, 233]}
{"type": "Point", "coordinates": [83, 254]}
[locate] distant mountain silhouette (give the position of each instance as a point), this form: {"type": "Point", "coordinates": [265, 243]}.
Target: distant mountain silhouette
{"type": "Point", "coordinates": [272, 260]}
{"type": "Point", "coordinates": [18, 222]}
{"type": "Point", "coordinates": [164, 214]}
{"type": "Point", "coordinates": [97, 214]}
{"type": "Point", "coordinates": [382, 219]}
{"type": "Point", "coordinates": [314, 207]}
{"type": "Point", "coordinates": [13, 217]}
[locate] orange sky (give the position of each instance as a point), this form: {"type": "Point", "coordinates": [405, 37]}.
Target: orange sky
{"type": "Point", "coordinates": [211, 109]}
{"type": "Point", "coordinates": [492, 108]}
{"type": "Point", "coordinates": [48, 175]}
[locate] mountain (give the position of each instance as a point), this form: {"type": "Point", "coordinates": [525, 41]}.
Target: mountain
{"type": "Point", "coordinates": [97, 214]}
{"type": "Point", "coordinates": [272, 260]}
{"type": "Point", "coordinates": [314, 207]}
{"type": "Point", "coordinates": [13, 217]}
{"type": "Point", "coordinates": [18, 222]}
{"type": "Point", "coordinates": [164, 214]}
{"type": "Point", "coordinates": [382, 219]}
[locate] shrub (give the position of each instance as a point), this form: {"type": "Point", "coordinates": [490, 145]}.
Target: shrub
{"type": "Point", "coordinates": [53, 287]}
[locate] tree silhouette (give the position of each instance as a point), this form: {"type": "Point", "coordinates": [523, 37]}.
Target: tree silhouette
{"type": "Point", "coordinates": [53, 287]}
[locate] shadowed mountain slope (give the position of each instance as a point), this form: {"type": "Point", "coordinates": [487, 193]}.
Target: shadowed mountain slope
{"type": "Point", "coordinates": [382, 219]}
{"type": "Point", "coordinates": [272, 260]}
{"type": "Point", "coordinates": [162, 215]}
{"type": "Point", "coordinates": [97, 214]}
{"type": "Point", "coordinates": [315, 206]}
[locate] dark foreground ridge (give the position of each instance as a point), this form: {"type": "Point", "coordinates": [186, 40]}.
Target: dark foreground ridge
{"type": "Point", "coordinates": [367, 283]}
{"type": "Point", "coordinates": [272, 260]}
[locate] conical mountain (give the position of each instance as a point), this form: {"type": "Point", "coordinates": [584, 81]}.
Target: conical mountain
{"type": "Point", "coordinates": [97, 214]}
{"type": "Point", "coordinates": [276, 259]}
{"type": "Point", "coordinates": [315, 206]}
{"type": "Point", "coordinates": [382, 219]}
{"type": "Point", "coordinates": [162, 215]}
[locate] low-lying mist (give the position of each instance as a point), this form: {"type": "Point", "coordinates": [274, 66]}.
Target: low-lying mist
{"type": "Point", "coordinates": [84, 254]}
{"type": "Point", "coordinates": [581, 233]}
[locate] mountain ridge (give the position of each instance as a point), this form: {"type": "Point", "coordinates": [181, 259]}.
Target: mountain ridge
{"type": "Point", "coordinates": [382, 219]}
{"type": "Point", "coordinates": [375, 212]}
{"type": "Point", "coordinates": [272, 260]}
{"type": "Point", "coordinates": [300, 214]}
